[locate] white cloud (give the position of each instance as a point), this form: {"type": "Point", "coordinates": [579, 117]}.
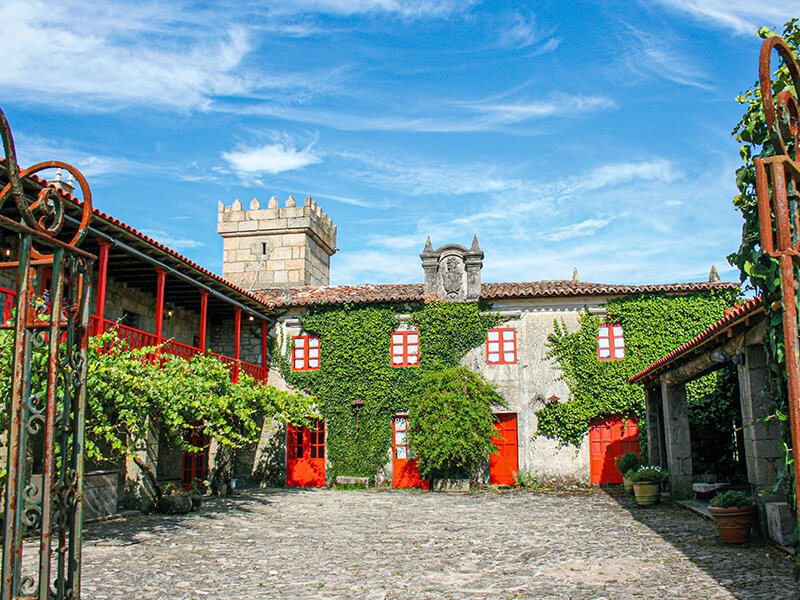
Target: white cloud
{"type": "Point", "coordinates": [742, 16]}
{"type": "Point", "coordinates": [270, 158]}
{"type": "Point", "coordinates": [84, 53]}
{"type": "Point", "coordinates": [522, 31]}
{"type": "Point", "coordinates": [404, 8]}
{"type": "Point", "coordinates": [580, 229]}
{"type": "Point", "coordinates": [659, 169]}
{"type": "Point", "coordinates": [654, 56]}
{"type": "Point", "coordinates": [176, 243]}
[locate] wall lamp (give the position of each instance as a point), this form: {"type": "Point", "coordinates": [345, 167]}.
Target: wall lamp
{"type": "Point", "coordinates": [357, 404]}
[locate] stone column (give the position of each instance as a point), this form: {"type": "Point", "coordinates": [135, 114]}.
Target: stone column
{"type": "Point", "coordinates": [655, 428]}
{"type": "Point", "coordinates": [677, 439]}
{"type": "Point", "coordinates": [763, 444]}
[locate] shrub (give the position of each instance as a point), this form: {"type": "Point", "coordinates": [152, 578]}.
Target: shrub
{"type": "Point", "coordinates": [451, 423]}
{"type": "Point", "coordinates": [648, 474]}
{"type": "Point", "coordinates": [731, 499]}
{"type": "Point", "coordinates": [627, 462]}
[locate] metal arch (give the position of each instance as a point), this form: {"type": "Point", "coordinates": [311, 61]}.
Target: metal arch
{"type": "Point", "coordinates": [44, 488]}
{"type": "Point", "coordinates": [777, 184]}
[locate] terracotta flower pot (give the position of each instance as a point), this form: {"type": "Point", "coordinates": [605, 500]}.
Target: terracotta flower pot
{"type": "Point", "coordinates": [647, 493]}
{"type": "Point", "coordinates": [734, 524]}
{"type": "Point", "coordinates": [627, 484]}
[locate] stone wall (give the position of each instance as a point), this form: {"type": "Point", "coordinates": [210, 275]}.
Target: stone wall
{"type": "Point", "coordinates": [222, 335]}
{"type": "Point", "coordinates": [183, 327]}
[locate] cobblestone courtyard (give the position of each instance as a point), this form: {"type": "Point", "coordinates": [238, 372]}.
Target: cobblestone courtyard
{"type": "Point", "coordinates": [407, 544]}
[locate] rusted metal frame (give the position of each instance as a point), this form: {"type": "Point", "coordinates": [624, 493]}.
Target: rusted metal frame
{"type": "Point", "coordinates": [783, 171]}
{"type": "Point", "coordinates": [12, 544]}
{"type": "Point", "coordinates": [61, 380]}
{"type": "Point", "coordinates": [54, 341]}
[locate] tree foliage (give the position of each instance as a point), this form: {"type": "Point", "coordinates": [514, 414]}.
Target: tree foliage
{"type": "Point", "coordinates": [451, 423]}
{"type": "Point", "coordinates": [129, 390]}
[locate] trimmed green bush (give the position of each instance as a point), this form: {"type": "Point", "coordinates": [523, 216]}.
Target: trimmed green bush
{"type": "Point", "coordinates": [627, 462]}
{"type": "Point", "coordinates": [648, 474]}
{"type": "Point", "coordinates": [731, 499]}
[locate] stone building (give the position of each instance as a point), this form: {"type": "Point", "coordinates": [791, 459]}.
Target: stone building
{"type": "Point", "coordinates": [513, 356]}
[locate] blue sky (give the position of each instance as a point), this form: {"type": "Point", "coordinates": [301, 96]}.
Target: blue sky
{"type": "Point", "coordinates": [565, 134]}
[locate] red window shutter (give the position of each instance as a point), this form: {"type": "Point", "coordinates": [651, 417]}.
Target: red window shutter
{"type": "Point", "coordinates": [405, 349]}
{"type": "Point", "coordinates": [610, 342]}
{"type": "Point", "coordinates": [501, 346]}
{"type": "Point", "coordinates": [305, 354]}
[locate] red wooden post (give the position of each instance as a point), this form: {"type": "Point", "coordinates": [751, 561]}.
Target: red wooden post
{"type": "Point", "coordinates": [264, 358]}
{"type": "Point", "coordinates": [102, 271]}
{"type": "Point", "coordinates": [203, 316]}
{"type": "Point", "coordinates": [237, 339]}
{"type": "Point", "coordinates": [160, 304]}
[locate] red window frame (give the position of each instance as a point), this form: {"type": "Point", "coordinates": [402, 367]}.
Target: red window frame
{"type": "Point", "coordinates": [610, 342]}
{"type": "Point", "coordinates": [305, 353]}
{"type": "Point", "coordinates": [501, 346]}
{"type": "Point", "coordinates": [405, 348]}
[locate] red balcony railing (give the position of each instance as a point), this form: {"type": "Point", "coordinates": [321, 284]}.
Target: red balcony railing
{"type": "Point", "coordinates": [137, 339]}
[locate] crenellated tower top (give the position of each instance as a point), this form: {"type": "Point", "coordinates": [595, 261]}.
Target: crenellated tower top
{"type": "Point", "coordinates": [276, 246]}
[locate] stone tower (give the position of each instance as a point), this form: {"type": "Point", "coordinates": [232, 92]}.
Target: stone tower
{"type": "Point", "coordinates": [276, 247]}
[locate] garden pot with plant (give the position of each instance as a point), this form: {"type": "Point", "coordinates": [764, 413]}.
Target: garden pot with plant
{"type": "Point", "coordinates": [626, 464]}
{"type": "Point", "coordinates": [647, 484]}
{"type": "Point", "coordinates": [733, 514]}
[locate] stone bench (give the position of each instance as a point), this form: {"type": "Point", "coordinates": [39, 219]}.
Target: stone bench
{"type": "Point", "coordinates": [704, 489]}
{"type": "Point", "coordinates": [348, 480]}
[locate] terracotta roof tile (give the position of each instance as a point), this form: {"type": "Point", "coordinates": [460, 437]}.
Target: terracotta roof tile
{"type": "Point", "coordinates": [732, 315]}
{"type": "Point", "coordinates": [414, 292]}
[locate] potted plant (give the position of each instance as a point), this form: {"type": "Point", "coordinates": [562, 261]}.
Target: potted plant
{"type": "Point", "coordinates": [647, 484]}
{"type": "Point", "coordinates": [626, 464]}
{"type": "Point", "coordinates": [733, 514]}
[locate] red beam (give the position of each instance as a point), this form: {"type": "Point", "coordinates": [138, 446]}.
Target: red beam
{"type": "Point", "coordinates": [264, 360]}
{"type": "Point", "coordinates": [160, 304]}
{"type": "Point", "coordinates": [102, 273]}
{"type": "Point", "coordinates": [203, 319]}
{"type": "Point", "coordinates": [237, 339]}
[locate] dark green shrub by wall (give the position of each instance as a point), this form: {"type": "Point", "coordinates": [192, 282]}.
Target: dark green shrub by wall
{"type": "Point", "coordinates": [654, 325]}
{"type": "Point", "coordinates": [355, 347]}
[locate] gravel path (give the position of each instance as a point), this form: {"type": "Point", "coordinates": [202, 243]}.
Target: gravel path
{"type": "Point", "coordinates": [408, 544]}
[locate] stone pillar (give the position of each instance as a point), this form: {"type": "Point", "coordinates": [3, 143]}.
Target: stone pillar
{"type": "Point", "coordinates": [677, 439]}
{"type": "Point", "coordinates": [655, 428]}
{"type": "Point", "coordinates": [763, 445]}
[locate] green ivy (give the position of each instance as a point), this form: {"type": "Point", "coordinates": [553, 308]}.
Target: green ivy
{"type": "Point", "coordinates": [356, 364]}
{"type": "Point", "coordinates": [654, 325]}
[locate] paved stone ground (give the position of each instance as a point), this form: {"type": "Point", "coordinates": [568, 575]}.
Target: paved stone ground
{"type": "Point", "coordinates": [410, 545]}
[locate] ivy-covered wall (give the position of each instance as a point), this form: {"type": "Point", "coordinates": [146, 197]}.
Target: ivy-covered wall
{"type": "Point", "coordinates": [355, 342]}
{"type": "Point", "coordinates": [654, 325]}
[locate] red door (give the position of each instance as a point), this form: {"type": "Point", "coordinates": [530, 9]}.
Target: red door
{"type": "Point", "coordinates": [194, 463]}
{"type": "Point", "coordinates": [503, 465]}
{"type": "Point", "coordinates": [305, 455]}
{"type": "Point", "coordinates": [610, 437]}
{"type": "Point", "coordinates": [404, 464]}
